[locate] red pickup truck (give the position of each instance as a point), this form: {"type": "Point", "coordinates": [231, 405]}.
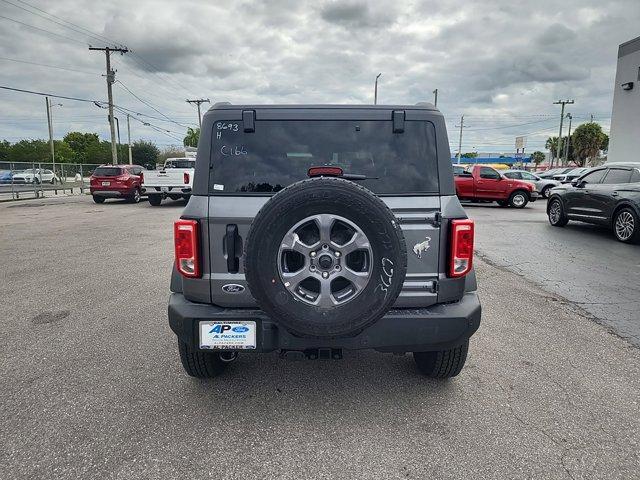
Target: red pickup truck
{"type": "Point", "coordinates": [485, 183]}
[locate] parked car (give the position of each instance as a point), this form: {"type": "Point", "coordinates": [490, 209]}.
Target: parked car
{"type": "Point", "coordinates": [572, 174]}
{"type": "Point", "coordinates": [459, 169]}
{"type": "Point", "coordinates": [35, 176]}
{"type": "Point", "coordinates": [554, 171]}
{"type": "Point", "coordinates": [608, 195]}
{"type": "Point", "coordinates": [174, 180]}
{"type": "Point", "coordinates": [543, 185]}
{"type": "Point", "coordinates": [483, 183]}
{"type": "Point", "coordinates": [372, 251]}
{"type": "Point", "coordinates": [116, 181]}
{"type": "Point", "coordinates": [5, 176]}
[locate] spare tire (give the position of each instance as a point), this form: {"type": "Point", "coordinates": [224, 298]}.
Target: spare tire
{"type": "Point", "coordinates": [325, 257]}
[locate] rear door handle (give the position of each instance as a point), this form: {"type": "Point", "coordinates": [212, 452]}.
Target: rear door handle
{"type": "Point", "coordinates": [233, 246]}
{"type": "Point", "coordinates": [614, 194]}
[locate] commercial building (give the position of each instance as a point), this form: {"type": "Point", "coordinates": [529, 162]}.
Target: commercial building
{"type": "Point", "coordinates": [624, 143]}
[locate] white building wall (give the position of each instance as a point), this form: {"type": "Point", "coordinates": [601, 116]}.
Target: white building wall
{"type": "Point", "coordinates": [624, 144]}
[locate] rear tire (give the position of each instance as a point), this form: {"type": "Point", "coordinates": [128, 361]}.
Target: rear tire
{"type": "Point", "coordinates": [200, 364]}
{"type": "Point", "coordinates": [155, 200]}
{"type": "Point", "coordinates": [135, 198]}
{"type": "Point", "coordinates": [626, 226]}
{"type": "Point", "coordinates": [545, 191]}
{"type": "Point", "coordinates": [444, 363]}
{"type": "Point", "coordinates": [555, 212]}
{"type": "Point", "coordinates": [519, 199]}
{"type": "Point", "coordinates": [98, 199]}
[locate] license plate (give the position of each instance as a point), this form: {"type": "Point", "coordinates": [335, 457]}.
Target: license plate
{"type": "Point", "coordinates": [106, 184]}
{"type": "Point", "coordinates": [164, 189]}
{"type": "Point", "coordinates": [228, 335]}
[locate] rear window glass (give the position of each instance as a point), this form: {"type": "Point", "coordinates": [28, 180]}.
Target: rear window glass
{"type": "Point", "coordinates": [182, 163]}
{"type": "Point", "coordinates": [281, 152]}
{"type": "Point", "coordinates": [635, 176]}
{"type": "Point", "coordinates": [617, 175]}
{"type": "Point", "coordinates": [107, 171]}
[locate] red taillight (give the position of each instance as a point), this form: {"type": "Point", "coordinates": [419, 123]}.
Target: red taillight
{"type": "Point", "coordinates": [186, 178]}
{"type": "Point", "coordinates": [325, 171]}
{"type": "Point", "coordinates": [461, 256]}
{"type": "Point", "coordinates": [185, 236]}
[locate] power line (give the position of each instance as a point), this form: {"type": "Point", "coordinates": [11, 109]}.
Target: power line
{"type": "Point", "coordinates": [48, 66]}
{"type": "Point", "coordinates": [149, 105]}
{"type": "Point", "coordinates": [99, 37]}
{"type": "Point", "coordinates": [75, 40]}
{"type": "Point", "coordinates": [49, 19]}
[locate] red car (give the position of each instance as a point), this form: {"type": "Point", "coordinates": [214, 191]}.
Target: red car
{"type": "Point", "coordinates": [116, 181]}
{"type": "Point", "coordinates": [487, 184]}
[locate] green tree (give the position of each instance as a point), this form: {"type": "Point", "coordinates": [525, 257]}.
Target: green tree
{"type": "Point", "coordinates": [588, 139]}
{"type": "Point", "coordinates": [170, 152]}
{"type": "Point", "coordinates": [193, 135]}
{"type": "Point", "coordinates": [469, 155]}
{"type": "Point", "coordinates": [98, 153]}
{"type": "Point", "coordinates": [144, 152]}
{"type": "Point", "coordinates": [30, 151]}
{"type": "Point", "coordinates": [552, 146]}
{"type": "Point", "coordinates": [537, 157]}
{"type": "Point", "coordinates": [80, 144]}
{"type": "Point", "coordinates": [5, 148]}
{"type": "Point", "coordinates": [64, 153]}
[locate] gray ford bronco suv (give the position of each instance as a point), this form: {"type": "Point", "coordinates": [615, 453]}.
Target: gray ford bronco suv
{"type": "Point", "coordinates": [317, 228]}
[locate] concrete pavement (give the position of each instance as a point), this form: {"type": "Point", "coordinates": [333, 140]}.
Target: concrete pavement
{"type": "Point", "coordinates": [583, 263]}
{"type": "Point", "coordinates": [91, 385]}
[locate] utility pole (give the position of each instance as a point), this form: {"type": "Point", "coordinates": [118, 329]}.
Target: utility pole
{"type": "Point", "coordinates": [129, 139]}
{"type": "Point", "coordinates": [435, 97]}
{"type": "Point", "coordinates": [198, 102]}
{"type": "Point", "coordinates": [559, 149]}
{"type": "Point", "coordinates": [566, 147]}
{"type": "Point", "coordinates": [375, 90]}
{"type": "Point", "coordinates": [53, 155]}
{"type": "Point", "coordinates": [111, 78]}
{"type": "Point", "coordinates": [462, 125]}
{"type": "Point", "coordinates": [591, 118]}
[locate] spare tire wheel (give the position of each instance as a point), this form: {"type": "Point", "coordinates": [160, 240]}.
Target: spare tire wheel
{"type": "Point", "coordinates": [325, 257]}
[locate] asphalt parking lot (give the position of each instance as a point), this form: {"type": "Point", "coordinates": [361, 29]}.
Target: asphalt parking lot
{"type": "Point", "coordinates": [91, 385]}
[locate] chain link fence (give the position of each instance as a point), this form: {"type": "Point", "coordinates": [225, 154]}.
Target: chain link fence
{"type": "Point", "coordinates": [24, 180]}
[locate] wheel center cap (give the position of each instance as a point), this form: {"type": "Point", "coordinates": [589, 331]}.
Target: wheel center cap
{"type": "Point", "coordinates": [325, 262]}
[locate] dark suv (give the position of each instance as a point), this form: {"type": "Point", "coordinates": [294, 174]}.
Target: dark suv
{"type": "Point", "coordinates": [318, 228]}
{"type": "Point", "coordinates": [608, 195]}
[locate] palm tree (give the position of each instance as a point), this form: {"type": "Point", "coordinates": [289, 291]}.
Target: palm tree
{"type": "Point", "coordinates": [552, 146]}
{"type": "Point", "coordinates": [193, 135]}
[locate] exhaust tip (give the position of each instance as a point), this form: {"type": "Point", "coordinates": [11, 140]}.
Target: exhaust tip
{"type": "Point", "coordinates": [228, 357]}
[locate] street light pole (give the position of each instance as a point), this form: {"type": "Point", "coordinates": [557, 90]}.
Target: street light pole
{"type": "Point", "coordinates": [435, 97]}
{"type": "Point", "coordinates": [559, 149]}
{"type": "Point", "coordinates": [566, 147]}
{"type": "Point", "coordinates": [129, 139]}
{"type": "Point", "coordinates": [53, 154]}
{"type": "Point", "coordinates": [375, 91]}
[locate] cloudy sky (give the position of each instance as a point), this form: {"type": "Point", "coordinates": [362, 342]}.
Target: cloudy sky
{"type": "Point", "coordinates": [501, 63]}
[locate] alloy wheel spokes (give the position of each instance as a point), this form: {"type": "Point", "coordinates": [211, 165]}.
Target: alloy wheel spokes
{"type": "Point", "coordinates": [325, 260]}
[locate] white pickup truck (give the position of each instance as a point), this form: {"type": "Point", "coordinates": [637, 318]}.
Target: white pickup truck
{"type": "Point", "coordinates": [174, 180]}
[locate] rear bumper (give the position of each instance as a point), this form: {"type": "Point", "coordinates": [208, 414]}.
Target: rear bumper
{"type": "Point", "coordinates": [166, 190]}
{"type": "Point", "coordinates": [401, 330]}
{"type": "Point", "coordinates": [111, 193]}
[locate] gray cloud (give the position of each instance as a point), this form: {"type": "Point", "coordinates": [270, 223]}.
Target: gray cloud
{"type": "Point", "coordinates": [496, 62]}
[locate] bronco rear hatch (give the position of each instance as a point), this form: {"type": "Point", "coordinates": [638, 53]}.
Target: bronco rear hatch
{"type": "Point", "coordinates": [260, 153]}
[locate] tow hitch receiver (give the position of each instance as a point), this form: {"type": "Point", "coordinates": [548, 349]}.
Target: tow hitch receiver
{"type": "Point", "coordinates": [312, 354]}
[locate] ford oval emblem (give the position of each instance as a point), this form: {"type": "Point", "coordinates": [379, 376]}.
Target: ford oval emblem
{"type": "Point", "coordinates": [241, 329]}
{"type": "Point", "coordinates": [232, 288]}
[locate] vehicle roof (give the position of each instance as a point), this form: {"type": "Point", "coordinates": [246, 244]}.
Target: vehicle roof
{"type": "Point", "coordinates": [230, 106]}
{"type": "Point", "coordinates": [121, 165]}
{"type": "Point", "coordinates": [622, 164]}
